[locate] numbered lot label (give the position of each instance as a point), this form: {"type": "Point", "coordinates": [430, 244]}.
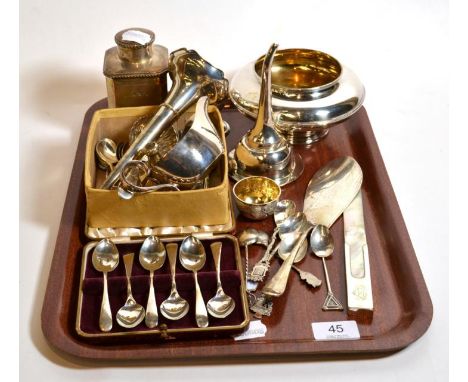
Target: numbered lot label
{"type": "Point", "coordinates": [335, 330]}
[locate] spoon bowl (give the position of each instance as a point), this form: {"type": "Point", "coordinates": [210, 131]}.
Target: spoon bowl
{"type": "Point", "coordinates": [248, 237]}
{"type": "Point", "coordinates": [286, 245]}
{"type": "Point", "coordinates": [174, 307]}
{"type": "Point", "coordinates": [321, 241]}
{"type": "Point", "coordinates": [105, 256]}
{"type": "Point", "coordinates": [106, 154]}
{"type": "Point", "coordinates": [283, 210]}
{"type": "Point", "coordinates": [221, 305]}
{"type": "Point", "coordinates": [131, 313]}
{"type": "Point", "coordinates": [152, 254]}
{"type": "Point", "coordinates": [262, 238]}
{"type": "Point", "coordinates": [192, 254]}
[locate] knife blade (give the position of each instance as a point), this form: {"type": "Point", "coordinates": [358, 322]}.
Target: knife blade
{"type": "Point", "coordinates": [358, 277]}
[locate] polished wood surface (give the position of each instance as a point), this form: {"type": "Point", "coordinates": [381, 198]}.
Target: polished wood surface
{"type": "Point", "coordinates": [402, 305]}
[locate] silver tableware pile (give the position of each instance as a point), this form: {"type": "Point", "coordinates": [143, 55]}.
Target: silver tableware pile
{"type": "Point", "coordinates": [158, 155]}
{"type": "Point", "coordinates": [332, 191]}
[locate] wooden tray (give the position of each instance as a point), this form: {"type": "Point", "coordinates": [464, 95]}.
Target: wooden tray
{"type": "Point", "coordinates": [403, 308]}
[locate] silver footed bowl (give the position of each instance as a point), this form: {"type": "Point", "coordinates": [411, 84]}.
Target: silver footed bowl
{"type": "Point", "coordinates": [311, 91]}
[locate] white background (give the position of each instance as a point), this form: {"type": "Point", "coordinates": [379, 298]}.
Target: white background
{"type": "Point", "coordinates": [398, 48]}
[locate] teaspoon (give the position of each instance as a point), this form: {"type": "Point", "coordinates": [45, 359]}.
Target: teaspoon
{"type": "Point", "coordinates": [152, 257]}
{"type": "Point", "coordinates": [174, 307]}
{"type": "Point", "coordinates": [105, 259]}
{"type": "Point", "coordinates": [106, 153]}
{"type": "Point", "coordinates": [192, 256]}
{"type": "Point", "coordinates": [221, 305]}
{"type": "Point", "coordinates": [132, 313]}
{"type": "Point", "coordinates": [322, 244]}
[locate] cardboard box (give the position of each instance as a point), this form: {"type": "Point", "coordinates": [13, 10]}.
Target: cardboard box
{"type": "Point", "coordinates": [161, 212]}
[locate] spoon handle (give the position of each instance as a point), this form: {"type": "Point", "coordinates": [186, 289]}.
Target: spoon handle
{"type": "Point", "coordinates": [151, 318]}
{"type": "Point", "coordinates": [216, 251]}
{"type": "Point", "coordinates": [128, 261]}
{"type": "Point", "coordinates": [105, 316]}
{"type": "Point", "coordinates": [201, 314]}
{"type": "Point", "coordinates": [171, 250]}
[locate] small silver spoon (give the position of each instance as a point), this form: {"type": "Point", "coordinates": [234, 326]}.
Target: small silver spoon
{"type": "Point", "coordinates": [105, 259]}
{"type": "Point", "coordinates": [132, 313]}
{"type": "Point", "coordinates": [221, 305]}
{"type": "Point", "coordinates": [289, 230]}
{"type": "Point", "coordinates": [322, 244]}
{"type": "Point", "coordinates": [192, 256]}
{"type": "Point", "coordinates": [106, 154]}
{"type": "Point", "coordinates": [152, 257]}
{"type": "Point", "coordinates": [283, 210]}
{"type": "Point", "coordinates": [174, 307]}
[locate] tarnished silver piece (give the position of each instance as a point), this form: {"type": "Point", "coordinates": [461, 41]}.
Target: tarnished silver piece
{"type": "Point", "coordinates": [131, 313]}
{"type": "Point", "coordinates": [263, 151]}
{"type": "Point", "coordinates": [105, 259]}
{"type": "Point", "coordinates": [308, 278]}
{"type": "Point", "coordinates": [192, 256]}
{"type": "Point", "coordinates": [262, 306]}
{"type": "Point", "coordinates": [192, 78]}
{"type": "Point", "coordinates": [260, 269]}
{"type": "Point", "coordinates": [220, 305]}
{"type": "Point", "coordinates": [358, 276]}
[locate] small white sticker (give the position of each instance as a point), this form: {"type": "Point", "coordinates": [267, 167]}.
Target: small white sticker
{"type": "Point", "coordinates": [136, 36]}
{"type": "Point", "coordinates": [255, 330]}
{"type": "Point", "coordinates": [335, 330]}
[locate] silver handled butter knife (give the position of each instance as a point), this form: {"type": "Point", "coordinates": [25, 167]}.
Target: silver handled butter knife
{"type": "Point", "coordinates": [358, 277]}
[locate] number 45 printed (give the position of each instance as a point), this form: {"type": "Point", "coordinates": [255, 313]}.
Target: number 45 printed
{"type": "Point", "coordinates": [335, 331]}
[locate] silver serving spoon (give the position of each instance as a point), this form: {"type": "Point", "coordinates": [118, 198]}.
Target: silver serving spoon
{"type": "Point", "coordinates": [106, 154]}
{"type": "Point", "coordinates": [105, 259]}
{"type": "Point", "coordinates": [132, 313]}
{"type": "Point", "coordinates": [152, 257]}
{"type": "Point", "coordinates": [322, 244]}
{"type": "Point", "coordinates": [221, 305]}
{"type": "Point", "coordinates": [174, 307]}
{"type": "Point", "coordinates": [192, 256]}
